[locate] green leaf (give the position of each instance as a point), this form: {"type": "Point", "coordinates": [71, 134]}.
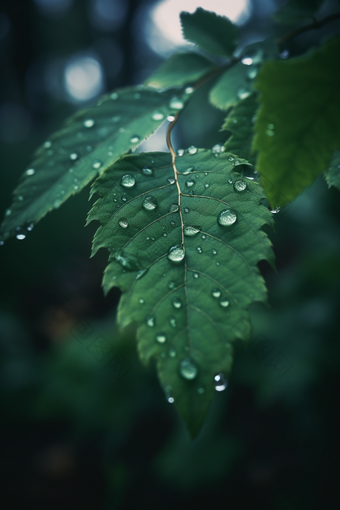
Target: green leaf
{"type": "Point", "coordinates": [231, 87]}
{"type": "Point", "coordinates": [298, 123]}
{"type": "Point", "coordinates": [191, 309]}
{"type": "Point", "coordinates": [180, 70]}
{"type": "Point", "coordinates": [90, 141]}
{"type": "Point", "coordinates": [332, 175]}
{"type": "Point", "coordinates": [211, 32]}
{"type": "Point", "coordinates": [240, 122]}
{"type": "Point", "coordinates": [296, 11]}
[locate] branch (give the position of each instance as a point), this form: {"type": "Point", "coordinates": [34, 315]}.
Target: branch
{"type": "Point", "coordinates": [312, 26]}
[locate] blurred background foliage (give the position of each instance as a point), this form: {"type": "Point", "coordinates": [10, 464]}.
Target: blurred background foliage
{"type": "Point", "coordinates": [82, 429]}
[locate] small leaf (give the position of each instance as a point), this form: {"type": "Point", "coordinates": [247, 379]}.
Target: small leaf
{"type": "Point", "coordinates": [211, 32]}
{"type": "Point", "coordinates": [332, 175]}
{"type": "Point", "coordinates": [240, 122]}
{"type": "Point", "coordinates": [296, 11]}
{"type": "Point", "coordinates": [90, 141]}
{"type": "Point", "coordinates": [298, 125]}
{"type": "Point", "coordinates": [197, 264]}
{"type": "Point", "coordinates": [231, 87]}
{"type": "Point", "coordinates": [179, 70]}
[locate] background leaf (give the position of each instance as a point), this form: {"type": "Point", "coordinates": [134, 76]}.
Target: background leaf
{"type": "Point", "coordinates": [90, 141]}
{"type": "Point", "coordinates": [332, 175]}
{"type": "Point", "coordinates": [296, 11]}
{"type": "Point", "coordinates": [298, 126]}
{"type": "Point", "coordinates": [211, 32]}
{"type": "Point", "coordinates": [179, 70]}
{"type": "Point", "coordinates": [240, 122]}
{"type": "Point", "coordinates": [188, 311]}
{"type": "Point", "coordinates": [233, 85]}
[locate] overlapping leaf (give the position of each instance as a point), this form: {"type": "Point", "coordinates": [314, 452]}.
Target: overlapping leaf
{"type": "Point", "coordinates": [296, 11]}
{"type": "Point", "coordinates": [298, 124]}
{"type": "Point", "coordinates": [240, 122]}
{"type": "Point", "coordinates": [90, 141]}
{"type": "Point", "coordinates": [333, 173]}
{"type": "Point", "coordinates": [179, 70]}
{"type": "Point", "coordinates": [230, 87]}
{"type": "Point", "coordinates": [188, 310]}
{"type": "Point", "coordinates": [211, 32]}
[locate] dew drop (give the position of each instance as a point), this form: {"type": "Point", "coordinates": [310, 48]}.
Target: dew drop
{"type": "Point", "coordinates": [157, 116]}
{"type": "Point", "coordinates": [173, 323]}
{"type": "Point", "coordinates": [188, 369]}
{"type": "Point", "coordinates": [21, 234]}
{"type": "Point", "coordinates": [96, 164]}
{"type": "Point", "coordinates": [230, 181]}
{"type": "Point", "coordinates": [189, 170]}
{"type": "Point", "coordinates": [276, 210]}
{"type": "Point", "coordinates": [192, 149]}
{"type": "Point", "coordinates": [150, 321]}
{"type": "Point", "coordinates": [252, 73]}
{"type": "Point", "coordinates": [30, 227]}
{"type": "Point", "coordinates": [189, 90]}
{"type": "Point", "coordinates": [191, 230]}
{"type": "Point", "coordinates": [224, 302]}
{"type": "Point", "coordinates": [190, 183]}
{"type": "Point", "coordinates": [170, 118]}
{"type": "Point", "coordinates": [73, 156]}
{"type": "Point", "coordinates": [186, 209]}
{"type": "Point", "coordinates": [216, 293]}
{"type": "Point", "coordinates": [173, 208]}
{"type": "Point", "coordinates": [147, 171]}
{"type": "Point", "coordinates": [243, 93]}
{"type": "Point", "coordinates": [172, 353]}
{"type": "Point", "coordinates": [177, 303]}
{"type": "Point", "coordinates": [226, 218]}
{"type": "Point", "coordinates": [206, 185]}
{"type": "Point", "coordinates": [180, 152]}
{"type": "Point", "coordinates": [150, 203]}
{"type": "Point", "coordinates": [203, 236]}
{"type": "Point", "coordinates": [128, 181]}
{"type": "Point", "coordinates": [200, 391]}
{"type": "Point", "coordinates": [176, 103]}
{"type": "Point", "coordinates": [176, 254]}
{"type": "Point", "coordinates": [196, 275]}
{"type": "Point", "coordinates": [123, 222]}
{"type": "Point", "coordinates": [199, 249]}
{"type": "Point", "coordinates": [171, 180]}
{"type": "Point", "coordinates": [171, 285]}
{"type": "Point", "coordinates": [134, 139]}
{"type": "Point", "coordinates": [161, 338]}
{"type": "Point", "coordinates": [220, 382]}
{"type": "Point", "coordinates": [141, 301]}
{"type": "Point", "coordinates": [240, 185]}
{"type": "Point", "coordinates": [165, 234]}
{"type": "Point", "coordinates": [217, 149]}
{"type": "Point", "coordinates": [30, 171]}
{"type": "Point", "coordinates": [247, 61]}
{"type": "Point", "coordinates": [214, 252]}
{"type": "Point", "coordinates": [88, 123]}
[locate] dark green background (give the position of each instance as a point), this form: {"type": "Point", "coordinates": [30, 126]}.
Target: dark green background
{"type": "Point", "coordinates": [77, 432]}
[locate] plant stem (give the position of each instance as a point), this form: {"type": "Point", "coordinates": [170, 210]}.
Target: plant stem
{"type": "Point", "coordinates": [312, 26]}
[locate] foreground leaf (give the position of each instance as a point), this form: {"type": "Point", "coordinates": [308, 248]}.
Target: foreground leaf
{"type": "Point", "coordinates": [240, 122]}
{"type": "Point", "coordinates": [298, 123]}
{"type": "Point", "coordinates": [211, 32]}
{"type": "Point", "coordinates": [90, 141]}
{"type": "Point", "coordinates": [188, 310]}
{"type": "Point", "coordinates": [332, 175]}
{"type": "Point", "coordinates": [180, 70]}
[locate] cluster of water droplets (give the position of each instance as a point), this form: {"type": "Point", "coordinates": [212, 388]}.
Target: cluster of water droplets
{"type": "Point", "coordinates": [190, 150]}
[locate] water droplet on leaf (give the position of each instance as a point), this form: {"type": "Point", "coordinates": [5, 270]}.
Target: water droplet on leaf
{"type": "Point", "coordinates": [176, 103]}
{"type": "Point", "coordinates": [88, 123]}
{"type": "Point", "coordinates": [191, 230]}
{"type": "Point", "coordinates": [192, 149]}
{"type": "Point", "coordinates": [147, 171]}
{"type": "Point", "coordinates": [161, 338]}
{"type": "Point", "coordinates": [226, 218]}
{"type": "Point", "coordinates": [216, 293]}
{"type": "Point", "coordinates": [128, 181]}
{"type": "Point", "coordinates": [176, 254]}
{"type": "Point", "coordinates": [220, 382]}
{"type": "Point", "coordinates": [150, 203]}
{"type": "Point", "coordinates": [150, 321]}
{"type": "Point", "coordinates": [173, 208]}
{"type": "Point", "coordinates": [224, 302]}
{"type": "Point", "coordinates": [240, 185]}
{"type": "Point", "coordinates": [30, 171]}
{"type": "Point", "coordinates": [157, 116]}
{"type": "Point", "coordinates": [97, 164]}
{"type": "Point", "coordinates": [188, 369]}
{"type": "Point", "coordinates": [177, 303]}
{"type": "Point", "coordinates": [190, 182]}
{"type": "Point", "coordinates": [123, 222]}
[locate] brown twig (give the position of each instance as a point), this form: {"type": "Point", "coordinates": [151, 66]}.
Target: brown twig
{"type": "Point", "coordinates": [312, 26]}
